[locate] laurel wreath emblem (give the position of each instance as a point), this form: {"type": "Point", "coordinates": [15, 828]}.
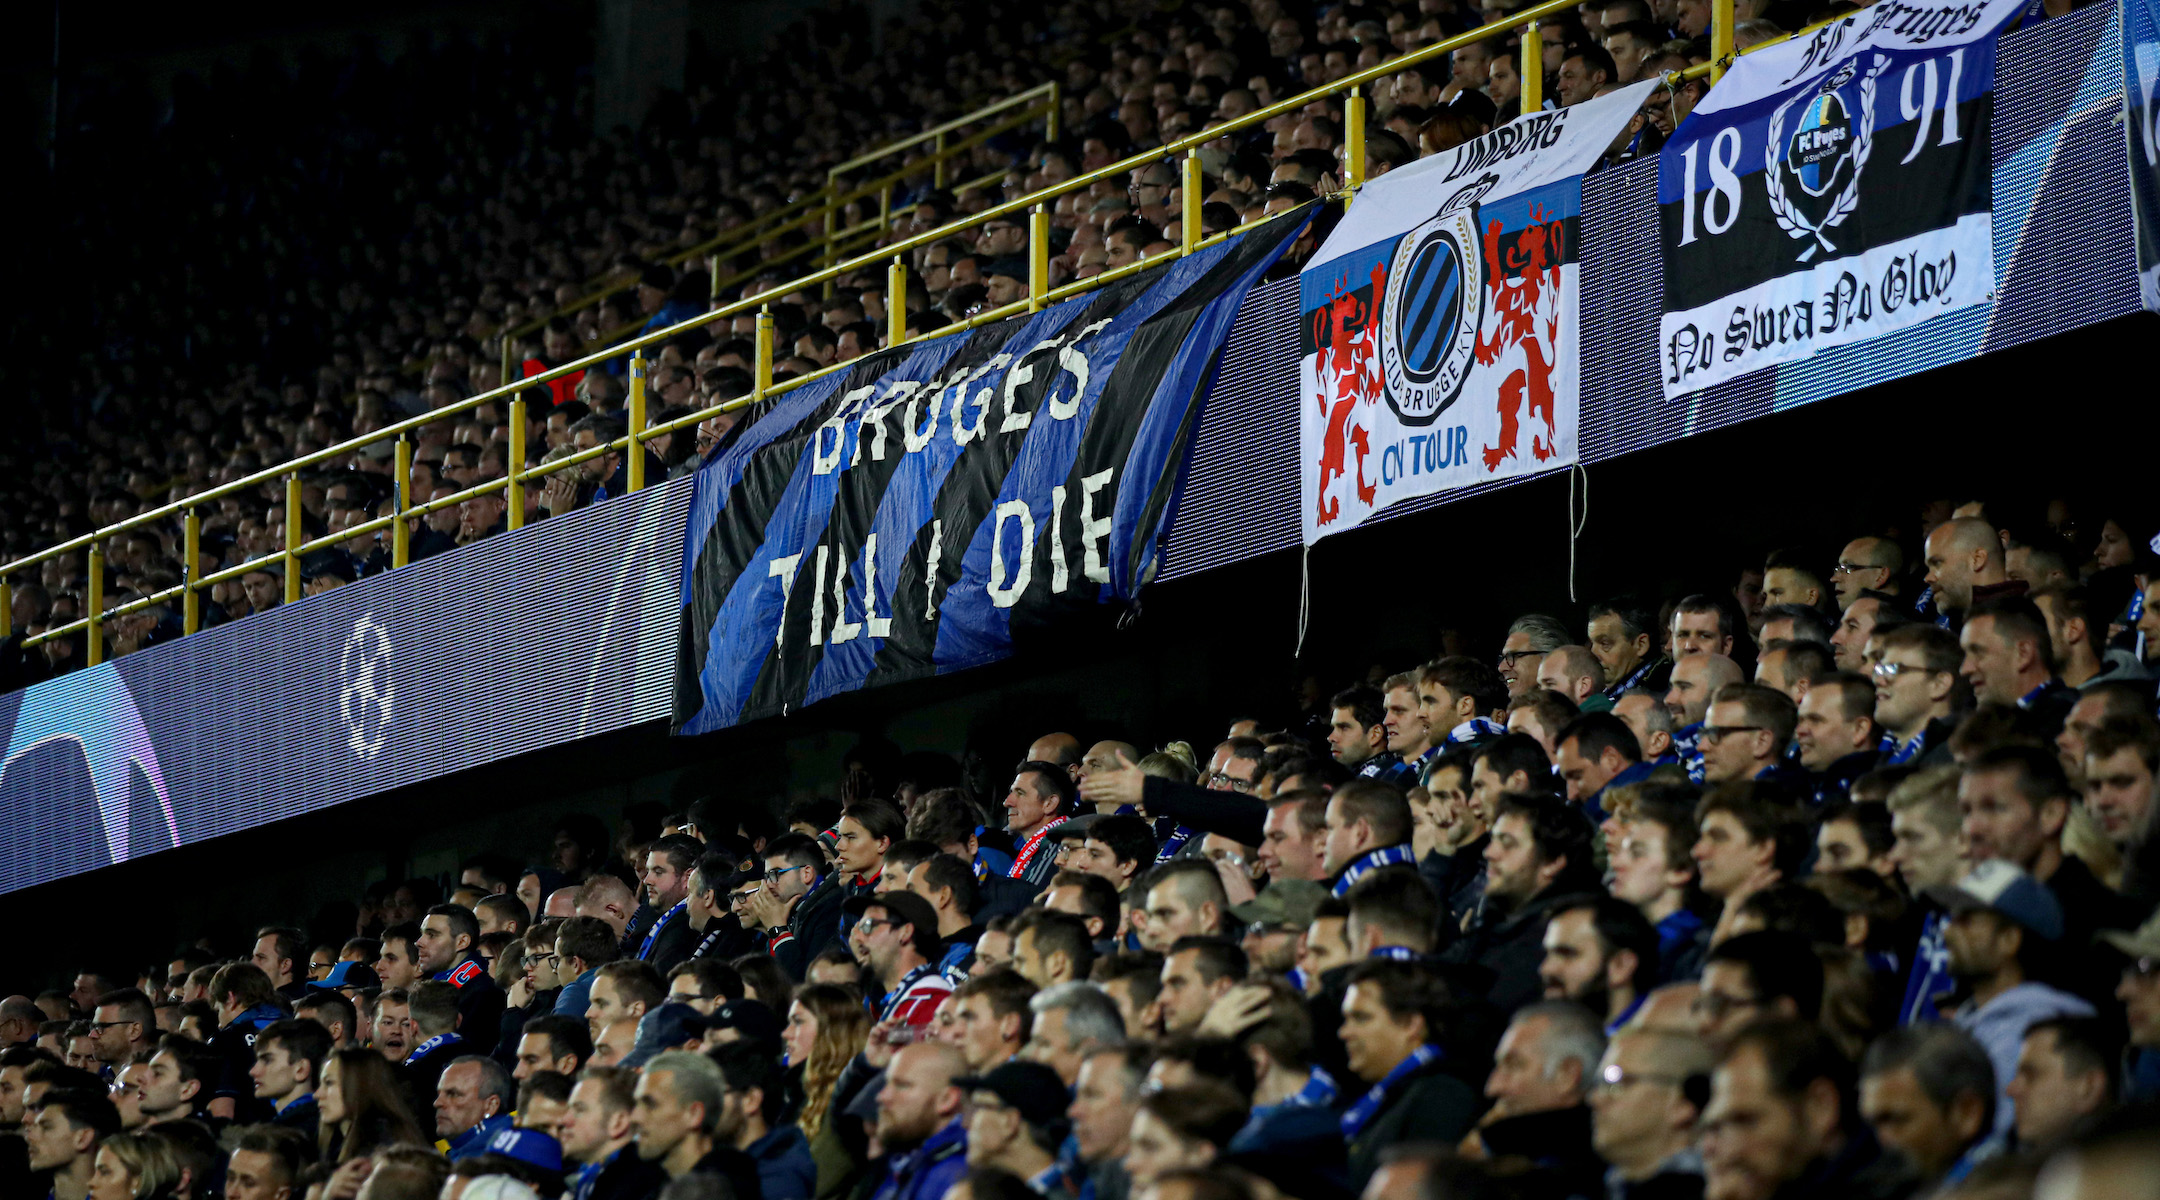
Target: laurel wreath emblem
{"type": "Point", "coordinates": [1789, 217]}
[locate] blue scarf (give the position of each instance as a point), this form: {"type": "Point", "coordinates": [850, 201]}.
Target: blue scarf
{"type": "Point", "coordinates": [1907, 752]}
{"type": "Point", "coordinates": [1395, 954]}
{"type": "Point", "coordinates": [1476, 729]}
{"type": "Point", "coordinates": [1298, 979]}
{"type": "Point", "coordinates": [1172, 844]}
{"type": "Point", "coordinates": [1687, 743]}
{"type": "Point", "coordinates": [1385, 856]}
{"type": "Point", "coordinates": [2026, 700]}
{"type": "Point", "coordinates": [1359, 1115]}
{"type": "Point", "coordinates": [1631, 682]}
{"type": "Point", "coordinates": [439, 1040]}
{"type": "Point", "coordinates": [645, 948]}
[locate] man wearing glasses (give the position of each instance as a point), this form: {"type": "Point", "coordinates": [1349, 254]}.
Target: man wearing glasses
{"type": "Point", "coordinates": [1868, 564]}
{"type": "Point", "coordinates": [799, 918]}
{"type": "Point", "coordinates": [1643, 1112]}
{"type": "Point", "coordinates": [124, 1025]}
{"type": "Point", "coordinates": [899, 947]}
{"type": "Point", "coordinates": [1916, 691]}
{"type": "Point", "coordinates": [1744, 735]}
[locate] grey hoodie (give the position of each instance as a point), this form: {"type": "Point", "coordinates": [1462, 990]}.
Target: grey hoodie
{"type": "Point", "coordinates": [2000, 1024]}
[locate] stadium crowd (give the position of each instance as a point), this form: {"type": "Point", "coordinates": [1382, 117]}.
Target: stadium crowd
{"type": "Point", "coordinates": [382, 275]}
{"type": "Point", "coordinates": [1838, 883]}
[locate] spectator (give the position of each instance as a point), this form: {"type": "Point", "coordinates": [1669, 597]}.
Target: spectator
{"type": "Point", "coordinates": [1782, 1113]}
{"type": "Point", "coordinates": [1929, 1094]}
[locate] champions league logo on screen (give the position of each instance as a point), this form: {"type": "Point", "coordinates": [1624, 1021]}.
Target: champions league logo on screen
{"type": "Point", "coordinates": [364, 699]}
{"type": "Point", "coordinates": [1812, 176]}
{"type": "Point", "coordinates": [1429, 318]}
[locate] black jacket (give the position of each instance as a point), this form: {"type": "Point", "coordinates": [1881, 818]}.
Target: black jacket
{"type": "Point", "coordinates": [813, 926]}
{"type": "Point", "coordinates": [1458, 879]}
{"type": "Point", "coordinates": [739, 1169]}
{"type": "Point", "coordinates": [1511, 946]}
{"type": "Point", "coordinates": [1231, 814]}
{"type": "Point", "coordinates": [480, 1007]}
{"type": "Point", "coordinates": [1434, 1107]}
{"type": "Point", "coordinates": [1863, 1170]}
{"type": "Point", "coordinates": [1558, 1139]}
{"type": "Point", "coordinates": [673, 946]}
{"type": "Point", "coordinates": [627, 1177]}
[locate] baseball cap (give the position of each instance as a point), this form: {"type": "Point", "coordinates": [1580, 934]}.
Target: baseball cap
{"type": "Point", "coordinates": [345, 975]}
{"type": "Point", "coordinates": [2000, 887]}
{"type": "Point", "coordinates": [664, 1028]}
{"type": "Point", "coordinates": [752, 1020]}
{"type": "Point", "coordinates": [1285, 902]}
{"type": "Point", "coordinates": [1011, 266]}
{"type": "Point", "coordinates": [1033, 1089]}
{"type": "Point", "coordinates": [2145, 943]}
{"type": "Point", "coordinates": [528, 1146]}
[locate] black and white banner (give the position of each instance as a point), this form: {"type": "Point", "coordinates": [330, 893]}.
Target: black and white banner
{"type": "Point", "coordinates": [938, 504]}
{"type": "Point", "coordinates": [1831, 189]}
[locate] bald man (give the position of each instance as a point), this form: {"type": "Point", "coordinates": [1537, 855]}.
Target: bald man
{"type": "Point", "coordinates": [1965, 563]}
{"type": "Point", "coordinates": [1103, 756]}
{"type": "Point", "coordinates": [1866, 564]}
{"type": "Point", "coordinates": [1060, 748]}
{"type": "Point", "coordinates": [1695, 678]}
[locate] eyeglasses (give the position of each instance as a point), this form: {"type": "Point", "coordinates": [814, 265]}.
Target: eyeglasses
{"type": "Point", "coordinates": [1260, 929]}
{"type": "Point", "coordinates": [1891, 670]}
{"type": "Point", "coordinates": [1712, 733]}
{"type": "Point", "coordinates": [1230, 781]}
{"type": "Point", "coordinates": [1509, 658]}
{"type": "Point", "coordinates": [1612, 1077]}
{"type": "Point", "coordinates": [773, 876]}
{"type": "Point", "coordinates": [1846, 568]}
{"type": "Point", "coordinates": [870, 924]}
{"type": "Point", "coordinates": [2142, 968]}
{"type": "Point", "coordinates": [1715, 1005]}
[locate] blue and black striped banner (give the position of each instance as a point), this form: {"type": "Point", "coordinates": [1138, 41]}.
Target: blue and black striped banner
{"type": "Point", "coordinates": [937, 505]}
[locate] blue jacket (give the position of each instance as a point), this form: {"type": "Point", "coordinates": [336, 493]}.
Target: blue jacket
{"type": "Point", "coordinates": [475, 1140]}
{"type": "Point", "coordinates": [786, 1171]}
{"type": "Point", "coordinates": [576, 995]}
{"type": "Point", "coordinates": [925, 1172]}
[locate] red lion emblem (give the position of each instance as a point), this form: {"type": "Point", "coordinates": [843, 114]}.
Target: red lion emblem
{"type": "Point", "coordinates": [1515, 304]}
{"type": "Point", "coordinates": [1348, 370]}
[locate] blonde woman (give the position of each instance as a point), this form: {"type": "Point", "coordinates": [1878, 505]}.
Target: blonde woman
{"type": "Point", "coordinates": [134, 1166]}
{"type": "Point", "coordinates": [826, 1028]}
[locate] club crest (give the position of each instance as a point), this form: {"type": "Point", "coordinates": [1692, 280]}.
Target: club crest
{"type": "Point", "coordinates": [1429, 319]}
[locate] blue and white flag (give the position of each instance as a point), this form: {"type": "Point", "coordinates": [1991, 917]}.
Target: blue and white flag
{"type": "Point", "coordinates": [939, 504]}
{"type": "Point", "coordinates": [1831, 189]}
{"type": "Point", "coordinates": [2141, 96]}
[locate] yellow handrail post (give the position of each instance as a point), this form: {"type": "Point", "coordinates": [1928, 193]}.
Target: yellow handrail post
{"type": "Point", "coordinates": [190, 599]}
{"type": "Point", "coordinates": [761, 379]}
{"type": "Point", "coordinates": [937, 161]}
{"type": "Point", "coordinates": [1050, 123]}
{"type": "Point", "coordinates": [713, 266]}
{"type": "Point", "coordinates": [1533, 69]}
{"type": "Point", "coordinates": [292, 537]}
{"type": "Point", "coordinates": [634, 466]}
{"type": "Point", "coordinates": [832, 235]}
{"type": "Point", "coordinates": [1189, 202]}
{"type": "Point", "coordinates": [1038, 256]}
{"type": "Point", "coordinates": [514, 464]}
{"type": "Point", "coordinates": [896, 302]}
{"type": "Point", "coordinates": [884, 208]}
{"type": "Point", "coordinates": [1353, 142]}
{"type": "Point", "coordinates": [401, 502]}
{"type": "Point", "coordinates": [1721, 38]}
{"type": "Point", "coordinates": [505, 358]}
{"type": "Point", "coordinates": [7, 608]}
{"type": "Point", "coordinates": [94, 641]}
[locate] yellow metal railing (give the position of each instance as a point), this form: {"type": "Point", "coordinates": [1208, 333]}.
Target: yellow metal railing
{"type": "Point", "coordinates": [519, 476]}
{"type": "Point", "coordinates": [818, 210]}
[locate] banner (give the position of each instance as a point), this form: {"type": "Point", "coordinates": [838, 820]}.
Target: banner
{"type": "Point", "coordinates": [1831, 189]}
{"type": "Point", "coordinates": [940, 502]}
{"type": "Point", "coordinates": [1450, 279]}
{"type": "Point", "coordinates": [2141, 95]}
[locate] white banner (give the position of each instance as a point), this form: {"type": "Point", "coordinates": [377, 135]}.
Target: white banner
{"type": "Point", "coordinates": [1440, 319]}
{"type": "Point", "coordinates": [1831, 189]}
